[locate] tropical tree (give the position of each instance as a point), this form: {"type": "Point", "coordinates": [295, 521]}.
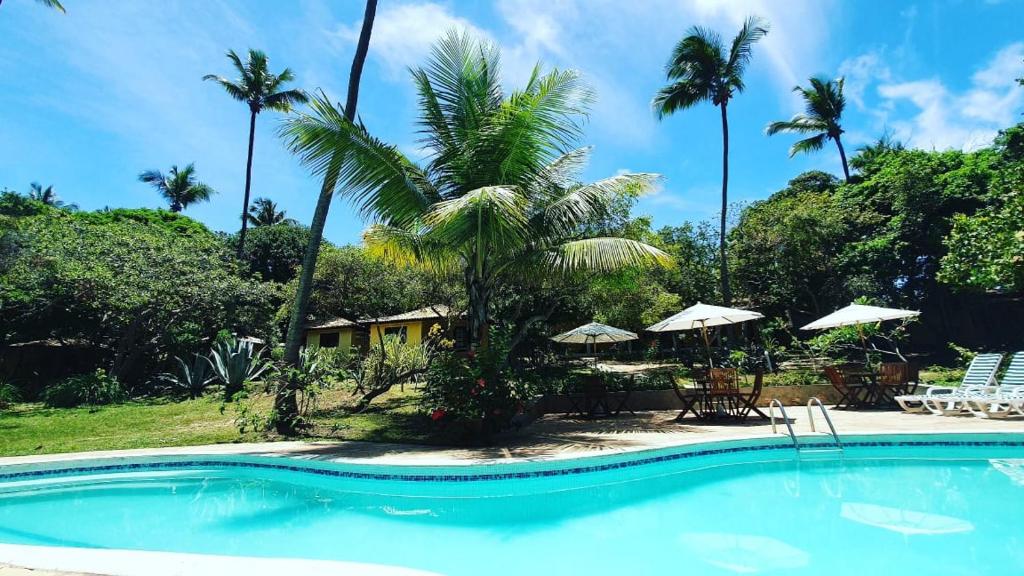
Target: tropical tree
{"type": "Point", "coordinates": [702, 69]}
{"type": "Point", "coordinates": [53, 4]}
{"type": "Point", "coordinates": [498, 198]}
{"type": "Point", "coordinates": [285, 402]}
{"type": "Point", "coordinates": [264, 212]}
{"type": "Point", "coordinates": [178, 187]}
{"type": "Point", "coordinates": [47, 196]}
{"type": "Point", "coordinates": [259, 89]}
{"type": "Point", "coordinates": [824, 102]}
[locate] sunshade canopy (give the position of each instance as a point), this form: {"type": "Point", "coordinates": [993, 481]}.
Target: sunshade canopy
{"type": "Point", "coordinates": [595, 333]}
{"type": "Point", "coordinates": [855, 314]}
{"type": "Point", "coordinates": [704, 316]}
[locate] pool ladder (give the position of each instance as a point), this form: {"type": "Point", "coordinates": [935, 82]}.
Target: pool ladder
{"type": "Point", "coordinates": [814, 401]}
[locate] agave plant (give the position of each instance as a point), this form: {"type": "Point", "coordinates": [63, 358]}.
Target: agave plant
{"type": "Point", "coordinates": [192, 378]}
{"type": "Point", "coordinates": [235, 362]}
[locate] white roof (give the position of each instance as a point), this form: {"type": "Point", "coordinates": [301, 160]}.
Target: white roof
{"type": "Point", "coordinates": [859, 314]}
{"type": "Point", "coordinates": [594, 333]}
{"type": "Point", "coordinates": [704, 316]}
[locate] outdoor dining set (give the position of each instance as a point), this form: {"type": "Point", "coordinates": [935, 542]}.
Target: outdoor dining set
{"type": "Point", "coordinates": [716, 392]}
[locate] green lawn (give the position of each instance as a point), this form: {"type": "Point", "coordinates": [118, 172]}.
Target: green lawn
{"type": "Point", "coordinates": [35, 429]}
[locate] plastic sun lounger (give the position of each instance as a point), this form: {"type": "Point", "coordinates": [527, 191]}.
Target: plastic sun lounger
{"type": "Point", "coordinates": [1008, 398]}
{"type": "Point", "coordinates": [980, 377]}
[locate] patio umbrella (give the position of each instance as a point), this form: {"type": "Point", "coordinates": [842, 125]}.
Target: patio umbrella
{"type": "Point", "coordinates": [858, 315]}
{"type": "Point", "coordinates": [702, 316]}
{"type": "Point", "coordinates": [595, 333]}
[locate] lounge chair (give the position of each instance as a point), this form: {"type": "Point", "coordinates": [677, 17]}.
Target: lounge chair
{"type": "Point", "coordinates": [980, 377]}
{"type": "Point", "coordinates": [1008, 398]}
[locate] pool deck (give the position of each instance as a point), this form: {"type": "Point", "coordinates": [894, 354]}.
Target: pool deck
{"type": "Point", "coordinates": [549, 438]}
{"type": "Point", "coordinates": [553, 437]}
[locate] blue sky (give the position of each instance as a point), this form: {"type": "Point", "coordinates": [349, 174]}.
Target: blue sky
{"type": "Point", "coordinates": [91, 98]}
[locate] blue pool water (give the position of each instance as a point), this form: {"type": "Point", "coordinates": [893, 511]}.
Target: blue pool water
{"type": "Point", "coordinates": [925, 509]}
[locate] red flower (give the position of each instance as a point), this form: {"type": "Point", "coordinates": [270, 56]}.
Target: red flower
{"type": "Point", "coordinates": [437, 414]}
{"type": "Point", "coordinates": [474, 391]}
{"type": "Point", "coordinates": [471, 354]}
{"type": "Point", "coordinates": [497, 412]}
{"type": "Point", "coordinates": [481, 382]}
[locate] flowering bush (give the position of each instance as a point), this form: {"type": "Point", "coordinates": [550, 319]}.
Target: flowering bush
{"type": "Point", "coordinates": [476, 390]}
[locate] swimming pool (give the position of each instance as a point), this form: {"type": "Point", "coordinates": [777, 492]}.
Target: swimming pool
{"type": "Point", "coordinates": [923, 504]}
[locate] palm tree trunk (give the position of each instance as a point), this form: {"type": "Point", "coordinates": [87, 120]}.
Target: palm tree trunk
{"type": "Point", "coordinates": [723, 264]}
{"type": "Point", "coordinates": [285, 402]}
{"type": "Point", "coordinates": [842, 156]}
{"type": "Point", "coordinates": [478, 301]}
{"type": "Point", "coordinates": [248, 183]}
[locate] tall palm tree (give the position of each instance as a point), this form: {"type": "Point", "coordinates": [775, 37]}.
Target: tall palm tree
{"type": "Point", "coordinates": [260, 90]}
{"type": "Point", "coordinates": [54, 4]}
{"type": "Point", "coordinates": [264, 212]}
{"type": "Point", "coordinates": [285, 402]}
{"type": "Point", "coordinates": [498, 198]}
{"type": "Point", "coordinates": [701, 69]}
{"type": "Point", "coordinates": [824, 110]}
{"type": "Point", "coordinates": [48, 196]}
{"type": "Point", "coordinates": [178, 187]}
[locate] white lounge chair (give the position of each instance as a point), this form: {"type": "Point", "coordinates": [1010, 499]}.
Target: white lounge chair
{"type": "Point", "coordinates": [980, 377]}
{"type": "Point", "coordinates": [1008, 398]}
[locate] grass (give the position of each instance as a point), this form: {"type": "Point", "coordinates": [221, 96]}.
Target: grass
{"type": "Point", "coordinates": [34, 429]}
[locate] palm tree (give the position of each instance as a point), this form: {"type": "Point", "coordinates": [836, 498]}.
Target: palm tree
{"type": "Point", "coordinates": [48, 196]}
{"type": "Point", "coordinates": [868, 154]}
{"type": "Point", "coordinates": [264, 212]}
{"type": "Point", "coordinates": [260, 89]}
{"type": "Point", "coordinates": [178, 187]}
{"type": "Point", "coordinates": [825, 103]}
{"type": "Point", "coordinates": [54, 4]}
{"type": "Point", "coordinates": [285, 401]}
{"type": "Point", "coordinates": [498, 198]}
{"type": "Point", "coordinates": [702, 70]}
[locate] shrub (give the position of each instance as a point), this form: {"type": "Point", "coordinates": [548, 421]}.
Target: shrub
{"type": "Point", "coordinates": [9, 394]}
{"type": "Point", "coordinates": [192, 378]}
{"type": "Point", "coordinates": [477, 391]}
{"type": "Point", "coordinates": [234, 363]}
{"type": "Point", "coordinates": [95, 389]}
{"type": "Point", "coordinates": [797, 378]}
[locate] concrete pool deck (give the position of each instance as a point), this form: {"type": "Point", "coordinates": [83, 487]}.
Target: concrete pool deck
{"type": "Point", "coordinates": [553, 437]}
{"type": "Point", "coordinates": [549, 438]}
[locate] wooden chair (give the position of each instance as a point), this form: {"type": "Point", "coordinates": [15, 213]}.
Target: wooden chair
{"type": "Point", "coordinates": [748, 403]}
{"type": "Point", "coordinates": [724, 391]}
{"type": "Point", "coordinates": [895, 379]}
{"type": "Point", "coordinates": [854, 391]}
{"type": "Point", "coordinates": [689, 397]}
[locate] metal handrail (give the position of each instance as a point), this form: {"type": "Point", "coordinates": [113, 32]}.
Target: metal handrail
{"type": "Point", "coordinates": [785, 418]}
{"type": "Point", "coordinates": [810, 416]}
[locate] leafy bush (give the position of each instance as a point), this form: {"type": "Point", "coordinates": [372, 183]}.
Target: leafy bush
{"type": "Point", "coordinates": [797, 378]}
{"type": "Point", "coordinates": [389, 363]}
{"type": "Point", "coordinates": [476, 391]}
{"type": "Point", "coordinates": [95, 389]}
{"type": "Point", "coordinates": [234, 363]}
{"type": "Point", "coordinates": [9, 394]}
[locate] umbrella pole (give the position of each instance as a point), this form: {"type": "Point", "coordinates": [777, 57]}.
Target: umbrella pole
{"type": "Point", "coordinates": [864, 344]}
{"type": "Point", "coordinates": [707, 345]}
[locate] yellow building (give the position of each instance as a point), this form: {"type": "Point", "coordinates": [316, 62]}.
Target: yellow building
{"type": "Point", "coordinates": [336, 333]}
{"type": "Point", "coordinates": [413, 327]}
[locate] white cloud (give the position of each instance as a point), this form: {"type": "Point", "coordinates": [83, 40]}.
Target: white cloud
{"type": "Point", "coordinates": [403, 33]}
{"type": "Point", "coordinates": [860, 72]}
{"type": "Point", "coordinates": [967, 120]}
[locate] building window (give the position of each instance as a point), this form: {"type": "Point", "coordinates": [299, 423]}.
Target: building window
{"type": "Point", "coordinates": [329, 339]}
{"type": "Point", "coordinates": [402, 332]}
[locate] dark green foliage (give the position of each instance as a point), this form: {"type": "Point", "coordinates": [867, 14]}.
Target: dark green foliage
{"type": "Point", "coordinates": [138, 286]}
{"type": "Point", "coordinates": [95, 389]}
{"type": "Point", "coordinates": [351, 284]}
{"type": "Point", "coordinates": [274, 252]}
